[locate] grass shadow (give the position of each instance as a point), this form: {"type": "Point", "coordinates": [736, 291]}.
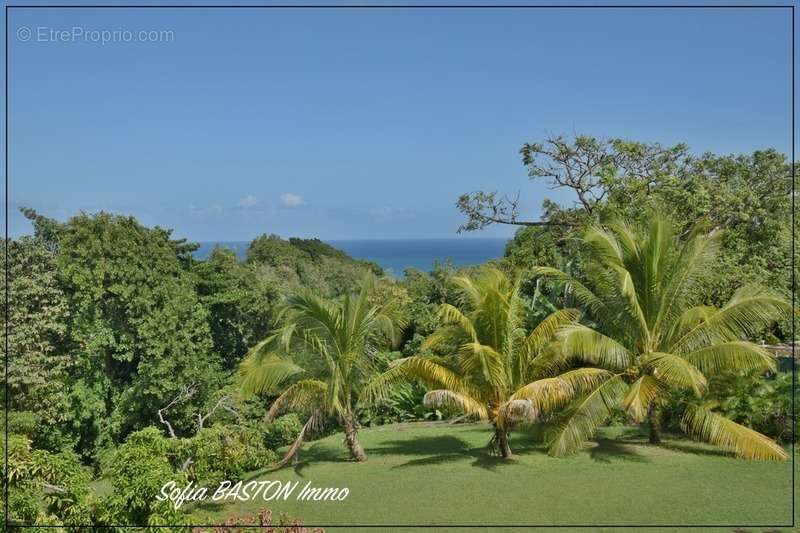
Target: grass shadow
{"type": "Point", "coordinates": [437, 445]}
{"type": "Point", "coordinates": [447, 448]}
{"type": "Point", "coordinates": [608, 450]}
{"type": "Point", "coordinates": [695, 448]}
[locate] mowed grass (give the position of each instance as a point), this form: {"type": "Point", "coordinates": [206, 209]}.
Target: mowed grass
{"type": "Point", "coordinates": [440, 474]}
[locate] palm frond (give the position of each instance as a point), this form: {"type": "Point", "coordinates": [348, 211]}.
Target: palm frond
{"type": "Point", "coordinates": [579, 422]}
{"type": "Point", "coordinates": [260, 373]}
{"type": "Point", "coordinates": [581, 292]}
{"type": "Point", "coordinates": [747, 313]}
{"type": "Point", "coordinates": [545, 330]}
{"type": "Point", "coordinates": [479, 359]}
{"type": "Point", "coordinates": [586, 344]}
{"type": "Point", "coordinates": [586, 379]}
{"type": "Point", "coordinates": [675, 371]}
{"type": "Point", "coordinates": [518, 410]}
{"type": "Point", "coordinates": [307, 394]}
{"type": "Point", "coordinates": [641, 394]}
{"type": "Point", "coordinates": [736, 356]}
{"type": "Point", "coordinates": [466, 404]}
{"type": "Point", "coordinates": [604, 245]}
{"type": "Point", "coordinates": [430, 372]}
{"type": "Point", "coordinates": [449, 314]}
{"type": "Point", "coordinates": [546, 394]}
{"type": "Point", "coordinates": [705, 425]}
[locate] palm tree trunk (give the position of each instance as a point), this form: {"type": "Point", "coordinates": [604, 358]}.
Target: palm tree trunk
{"type": "Point", "coordinates": [351, 439]}
{"type": "Point", "coordinates": [501, 440]}
{"type": "Point", "coordinates": [654, 421]}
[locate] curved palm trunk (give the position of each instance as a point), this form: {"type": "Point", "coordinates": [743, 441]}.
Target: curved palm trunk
{"type": "Point", "coordinates": [351, 439]}
{"type": "Point", "coordinates": [501, 441]}
{"type": "Point", "coordinates": [293, 449]}
{"type": "Point", "coordinates": [654, 421]}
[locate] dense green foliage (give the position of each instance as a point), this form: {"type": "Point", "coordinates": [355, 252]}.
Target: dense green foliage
{"type": "Point", "coordinates": [122, 345]}
{"type": "Point", "coordinates": [125, 350]}
{"type": "Point", "coordinates": [746, 196]}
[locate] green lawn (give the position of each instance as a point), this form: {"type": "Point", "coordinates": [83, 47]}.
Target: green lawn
{"type": "Point", "coordinates": [436, 473]}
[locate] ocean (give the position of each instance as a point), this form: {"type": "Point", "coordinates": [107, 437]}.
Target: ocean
{"type": "Point", "coordinates": [394, 255]}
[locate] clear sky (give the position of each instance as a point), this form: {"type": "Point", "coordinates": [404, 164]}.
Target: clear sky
{"type": "Point", "coordinates": [365, 124]}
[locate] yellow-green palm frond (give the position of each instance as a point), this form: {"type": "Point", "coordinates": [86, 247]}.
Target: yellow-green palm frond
{"type": "Point", "coordinates": [628, 291]}
{"type": "Point", "coordinates": [675, 371]}
{"type": "Point", "coordinates": [695, 259]}
{"type": "Point", "coordinates": [546, 394]}
{"type": "Point", "coordinates": [429, 371]}
{"type": "Point", "coordinates": [306, 394]}
{"type": "Point", "coordinates": [627, 239]}
{"type": "Point", "coordinates": [468, 290]}
{"type": "Point", "coordinates": [747, 313]}
{"type": "Point", "coordinates": [479, 359]}
{"type": "Point", "coordinates": [691, 318]}
{"type": "Point", "coordinates": [466, 404]}
{"type": "Point", "coordinates": [264, 373]}
{"type": "Point", "coordinates": [548, 362]}
{"type": "Point", "coordinates": [581, 419]}
{"type": "Point", "coordinates": [451, 315]}
{"type": "Point", "coordinates": [586, 344]}
{"type": "Point", "coordinates": [586, 379]}
{"type": "Point", "coordinates": [444, 335]}
{"type": "Point", "coordinates": [545, 330]}
{"type": "Point", "coordinates": [736, 356]}
{"type": "Point", "coordinates": [604, 245]}
{"type": "Point", "coordinates": [641, 395]}
{"type": "Point", "coordinates": [705, 425]}
{"type": "Point", "coordinates": [578, 289]}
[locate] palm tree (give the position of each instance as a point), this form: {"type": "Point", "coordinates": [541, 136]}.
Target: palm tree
{"type": "Point", "coordinates": [494, 369]}
{"type": "Point", "coordinates": [650, 335]}
{"type": "Point", "coordinates": [324, 350]}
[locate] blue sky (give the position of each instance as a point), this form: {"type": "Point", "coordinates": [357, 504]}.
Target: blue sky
{"type": "Point", "coordinates": [365, 124]}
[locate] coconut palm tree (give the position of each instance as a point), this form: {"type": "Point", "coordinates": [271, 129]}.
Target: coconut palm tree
{"type": "Point", "coordinates": [324, 351]}
{"type": "Point", "coordinates": [494, 369]}
{"type": "Point", "coordinates": [649, 334]}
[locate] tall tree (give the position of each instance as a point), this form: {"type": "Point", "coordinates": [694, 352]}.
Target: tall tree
{"type": "Point", "coordinates": [492, 367]}
{"type": "Point", "coordinates": [137, 330]}
{"type": "Point", "coordinates": [649, 332]}
{"type": "Point", "coordinates": [38, 363]}
{"type": "Point", "coordinates": [239, 301]}
{"type": "Point", "coordinates": [324, 350]}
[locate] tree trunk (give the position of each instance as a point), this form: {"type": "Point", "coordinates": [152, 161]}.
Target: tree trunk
{"type": "Point", "coordinates": [351, 439]}
{"type": "Point", "coordinates": [654, 420]}
{"type": "Point", "coordinates": [501, 440]}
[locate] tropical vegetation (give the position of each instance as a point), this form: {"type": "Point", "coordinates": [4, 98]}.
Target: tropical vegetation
{"type": "Point", "coordinates": [321, 356]}
{"type": "Point", "coordinates": [649, 333]}
{"type": "Point", "coordinates": [647, 302]}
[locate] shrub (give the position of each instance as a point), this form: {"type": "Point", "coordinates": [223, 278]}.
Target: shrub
{"type": "Point", "coordinates": [137, 470]}
{"type": "Point", "coordinates": [282, 431]}
{"type": "Point", "coordinates": [47, 488]}
{"type": "Point", "coordinates": [223, 452]}
{"type": "Point", "coordinates": [760, 402]}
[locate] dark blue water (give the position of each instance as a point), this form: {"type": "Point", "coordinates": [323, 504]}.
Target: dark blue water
{"type": "Point", "coordinates": [394, 255]}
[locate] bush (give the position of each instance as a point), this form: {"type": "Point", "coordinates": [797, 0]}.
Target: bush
{"type": "Point", "coordinates": [753, 400]}
{"type": "Point", "coordinates": [47, 488]}
{"type": "Point", "coordinates": [137, 470]}
{"type": "Point", "coordinates": [282, 431]}
{"type": "Point", "coordinates": [224, 452]}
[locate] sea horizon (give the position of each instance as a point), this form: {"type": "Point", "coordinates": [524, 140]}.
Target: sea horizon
{"type": "Point", "coordinates": [394, 255]}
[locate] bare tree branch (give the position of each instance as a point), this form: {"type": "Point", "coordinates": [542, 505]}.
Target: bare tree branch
{"type": "Point", "coordinates": [186, 394]}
